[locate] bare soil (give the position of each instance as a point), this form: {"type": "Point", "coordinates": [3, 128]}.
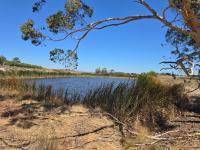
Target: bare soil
{"type": "Point", "coordinates": [27, 124]}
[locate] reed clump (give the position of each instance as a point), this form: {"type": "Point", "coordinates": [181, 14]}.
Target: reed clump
{"type": "Point", "coordinates": [49, 96]}
{"type": "Point", "coordinates": [146, 100]}
{"type": "Point", "coordinates": [16, 84]}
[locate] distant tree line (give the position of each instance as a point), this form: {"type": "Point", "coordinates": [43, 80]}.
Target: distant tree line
{"type": "Point", "coordinates": [16, 62]}
{"type": "Point", "coordinates": [112, 72]}
{"type": "Point", "coordinates": [103, 71]}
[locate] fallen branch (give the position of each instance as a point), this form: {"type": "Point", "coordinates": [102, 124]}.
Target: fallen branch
{"type": "Point", "coordinates": [116, 120]}
{"type": "Point", "coordinates": [86, 133]}
{"type": "Point", "coordinates": [157, 138]}
{"type": "Point", "coordinates": [159, 135]}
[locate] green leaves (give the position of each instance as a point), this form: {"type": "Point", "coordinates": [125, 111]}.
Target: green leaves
{"type": "Point", "coordinates": [68, 58]}
{"type": "Point", "coordinates": [65, 21]}
{"type": "Point", "coordinates": [75, 13]}
{"type": "Point", "coordinates": [178, 5]}
{"type": "Point", "coordinates": [60, 22]}
{"type": "Point", "coordinates": [30, 33]}
{"type": "Point", "coordinates": [78, 8]}
{"type": "Point", "coordinates": [37, 6]}
{"type": "Point", "coordinates": [73, 6]}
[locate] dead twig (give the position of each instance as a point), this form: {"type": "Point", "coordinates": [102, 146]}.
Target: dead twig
{"type": "Point", "coordinates": [116, 120]}
{"type": "Point", "coordinates": [86, 133]}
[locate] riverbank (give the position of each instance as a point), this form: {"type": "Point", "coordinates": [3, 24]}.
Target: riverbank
{"type": "Point", "coordinates": [104, 120]}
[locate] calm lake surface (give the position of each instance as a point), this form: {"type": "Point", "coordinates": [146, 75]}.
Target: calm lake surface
{"type": "Point", "coordinates": [79, 85]}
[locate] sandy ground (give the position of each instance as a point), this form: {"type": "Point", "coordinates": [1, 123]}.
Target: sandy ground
{"type": "Point", "coordinates": [25, 124]}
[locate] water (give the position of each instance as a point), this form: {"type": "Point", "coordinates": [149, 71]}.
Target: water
{"type": "Point", "coordinates": [78, 85]}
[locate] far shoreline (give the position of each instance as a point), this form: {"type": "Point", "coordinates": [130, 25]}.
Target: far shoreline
{"type": "Point", "coordinates": [70, 76]}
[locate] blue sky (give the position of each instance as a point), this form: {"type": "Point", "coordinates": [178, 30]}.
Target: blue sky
{"type": "Point", "coordinates": [135, 47]}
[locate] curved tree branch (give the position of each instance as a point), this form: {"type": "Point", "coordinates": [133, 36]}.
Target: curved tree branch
{"type": "Point", "coordinates": [124, 20]}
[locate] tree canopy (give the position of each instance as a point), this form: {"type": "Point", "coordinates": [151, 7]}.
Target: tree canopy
{"type": "Point", "coordinates": [16, 60]}
{"type": "Point", "coordinates": [183, 30]}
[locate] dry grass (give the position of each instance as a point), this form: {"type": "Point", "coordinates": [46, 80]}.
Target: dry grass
{"type": "Point", "coordinates": [45, 141]}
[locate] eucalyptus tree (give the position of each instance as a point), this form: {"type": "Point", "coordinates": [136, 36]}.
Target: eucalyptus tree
{"type": "Point", "coordinates": [183, 29]}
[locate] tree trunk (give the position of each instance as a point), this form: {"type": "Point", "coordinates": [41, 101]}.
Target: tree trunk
{"type": "Point", "coordinates": [198, 37]}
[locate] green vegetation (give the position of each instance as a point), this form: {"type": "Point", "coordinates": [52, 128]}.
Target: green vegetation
{"type": "Point", "coordinates": [25, 65]}
{"type": "Point", "coordinates": [32, 72]}
{"type": "Point", "coordinates": [152, 74]}
{"type": "Point", "coordinates": [27, 73]}
{"type": "Point", "coordinates": [16, 62]}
